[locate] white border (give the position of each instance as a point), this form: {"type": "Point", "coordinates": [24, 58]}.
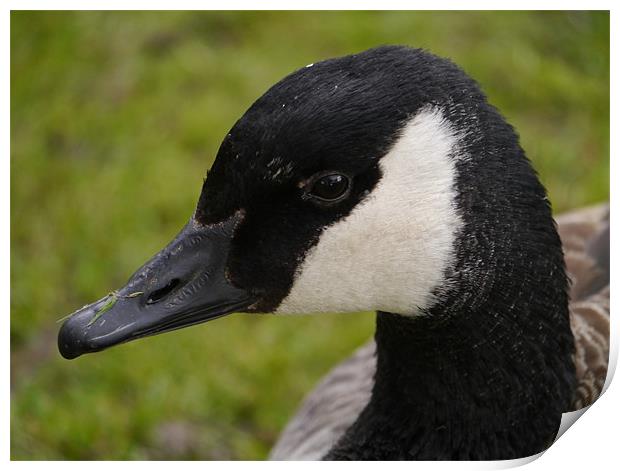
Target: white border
{"type": "Point", "coordinates": [5, 34]}
{"type": "Point", "coordinates": [591, 444]}
{"type": "Point", "coordinates": [308, 5]}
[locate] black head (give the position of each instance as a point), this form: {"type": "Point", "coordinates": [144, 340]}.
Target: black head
{"type": "Point", "coordinates": [336, 118]}
{"type": "Point", "coordinates": [367, 182]}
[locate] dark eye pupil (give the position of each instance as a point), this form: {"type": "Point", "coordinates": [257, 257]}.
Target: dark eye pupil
{"type": "Point", "coordinates": [330, 187]}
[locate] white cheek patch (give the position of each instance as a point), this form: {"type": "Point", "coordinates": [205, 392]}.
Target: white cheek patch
{"type": "Point", "coordinates": [392, 250]}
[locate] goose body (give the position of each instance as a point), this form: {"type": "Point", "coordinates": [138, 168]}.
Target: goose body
{"type": "Point", "coordinates": [385, 181]}
{"type": "Point", "coordinates": [342, 394]}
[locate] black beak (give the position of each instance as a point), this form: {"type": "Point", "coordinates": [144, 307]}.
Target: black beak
{"type": "Point", "coordinates": [182, 285]}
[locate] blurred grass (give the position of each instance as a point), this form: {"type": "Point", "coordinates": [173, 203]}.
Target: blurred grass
{"type": "Point", "coordinates": [115, 118]}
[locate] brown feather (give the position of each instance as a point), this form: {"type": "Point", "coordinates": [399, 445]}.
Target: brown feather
{"type": "Point", "coordinates": [585, 238]}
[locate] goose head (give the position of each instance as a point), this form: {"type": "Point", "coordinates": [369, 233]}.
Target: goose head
{"type": "Point", "coordinates": [378, 181]}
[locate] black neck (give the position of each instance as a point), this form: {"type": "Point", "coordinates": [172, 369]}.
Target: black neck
{"type": "Point", "coordinates": [490, 384]}
{"type": "Point", "coordinates": [487, 371]}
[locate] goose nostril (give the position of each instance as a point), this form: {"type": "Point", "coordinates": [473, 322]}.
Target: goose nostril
{"type": "Point", "coordinates": [161, 293]}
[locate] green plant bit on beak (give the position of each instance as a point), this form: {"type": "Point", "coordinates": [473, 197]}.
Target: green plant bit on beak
{"type": "Point", "coordinates": [113, 297]}
{"type": "Point", "coordinates": [64, 318]}
{"type": "Point", "coordinates": [111, 301]}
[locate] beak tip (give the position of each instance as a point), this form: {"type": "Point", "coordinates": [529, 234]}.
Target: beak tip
{"type": "Point", "coordinates": [69, 344]}
{"type": "Point", "coordinates": [68, 354]}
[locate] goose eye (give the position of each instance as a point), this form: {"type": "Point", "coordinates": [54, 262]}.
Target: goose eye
{"type": "Point", "coordinates": [330, 187]}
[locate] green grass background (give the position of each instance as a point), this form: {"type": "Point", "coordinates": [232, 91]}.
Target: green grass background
{"type": "Point", "coordinates": [115, 118]}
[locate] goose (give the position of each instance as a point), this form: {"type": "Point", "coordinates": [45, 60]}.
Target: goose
{"type": "Point", "coordinates": [384, 181]}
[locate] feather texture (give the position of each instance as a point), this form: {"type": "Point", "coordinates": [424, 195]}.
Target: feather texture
{"type": "Point", "coordinates": [338, 399]}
